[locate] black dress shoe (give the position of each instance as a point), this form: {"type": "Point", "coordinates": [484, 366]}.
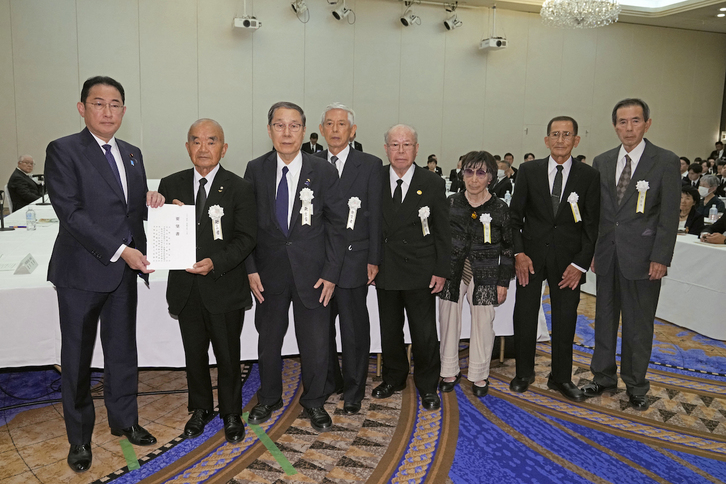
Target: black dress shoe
{"type": "Point", "coordinates": [261, 413]}
{"type": "Point", "coordinates": [195, 426]}
{"type": "Point", "coordinates": [385, 390]}
{"type": "Point", "coordinates": [568, 390]}
{"type": "Point", "coordinates": [351, 408]}
{"type": "Point", "coordinates": [639, 402]}
{"type": "Point", "coordinates": [480, 391]}
{"type": "Point", "coordinates": [594, 389]}
{"type": "Point", "coordinates": [520, 385]}
{"type": "Point", "coordinates": [430, 401]}
{"type": "Point", "coordinates": [80, 457]}
{"type": "Point", "coordinates": [136, 434]}
{"type": "Point", "coordinates": [319, 418]}
{"type": "Point", "coordinates": [447, 386]}
{"type": "Point", "coordinates": [234, 429]}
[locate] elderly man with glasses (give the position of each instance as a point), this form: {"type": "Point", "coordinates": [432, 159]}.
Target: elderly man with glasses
{"type": "Point", "coordinates": [22, 189]}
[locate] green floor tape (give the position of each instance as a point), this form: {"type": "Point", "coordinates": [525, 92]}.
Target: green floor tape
{"type": "Point", "coordinates": [270, 446]}
{"type": "Point", "coordinates": [129, 454]}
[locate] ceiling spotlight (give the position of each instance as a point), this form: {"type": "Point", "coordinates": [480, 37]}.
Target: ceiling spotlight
{"type": "Point", "coordinates": [299, 6]}
{"type": "Point", "coordinates": [721, 15]}
{"type": "Point", "coordinates": [722, 9]}
{"type": "Point", "coordinates": [342, 12]}
{"type": "Point", "coordinates": [409, 18]}
{"type": "Point", "coordinates": [452, 22]}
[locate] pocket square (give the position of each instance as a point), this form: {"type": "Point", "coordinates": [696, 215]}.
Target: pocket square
{"type": "Point", "coordinates": [648, 233]}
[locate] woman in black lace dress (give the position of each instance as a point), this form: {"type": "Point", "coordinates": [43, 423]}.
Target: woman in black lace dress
{"type": "Point", "coordinates": [482, 264]}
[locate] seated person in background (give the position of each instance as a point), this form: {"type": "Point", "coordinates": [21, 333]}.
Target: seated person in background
{"type": "Point", "coordinates": [719, 152]}
{"type": "Point", "coordinates": [721, 169]}
{"type": "Point", "coordinates": [432, 164]}
{"type": "Point", "coordinates": [706, 166]}
{"type": "Point", "coordinates": [716, 232]}
{"type": "Point", "coordinates": [685, 163]}
{"type": "Point", "coordinates": [22, 189]}
{"type": "Point", "coordinates": [690, 222]}
{"type": "Point", "coordinates": [694, 175]}
{"type": "Point", "coordinates": [707, 189]}
{"type": "Point", "coordinates": [512, 171]}
{"type": "Point", "coordinates": [501, 184]}
{"type": "Point", "coordinates": [712, 165]}
{"type": "Point", "coordinates": [312, 146]}
{"type": "Point", "coordinates": [529, 157]}
{"type": "Point", "coordinates": [456, 177]}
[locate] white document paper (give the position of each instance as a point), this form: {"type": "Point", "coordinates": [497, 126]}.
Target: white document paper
{"type": "Point", "coordinates": [172, 237]}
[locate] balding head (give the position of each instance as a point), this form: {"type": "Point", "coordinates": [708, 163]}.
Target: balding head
{"type": "Point", "coordinates": [26, 163]}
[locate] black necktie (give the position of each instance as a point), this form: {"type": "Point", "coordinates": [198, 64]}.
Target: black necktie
{"type": "Point", "coordinates": [334, 161]}
{"type": "Point", "coordinates": [557, 189]}
{"type": "Point", "coordinates": [201, 199]}
{"type": "Point", "coordinates": [398, 195]}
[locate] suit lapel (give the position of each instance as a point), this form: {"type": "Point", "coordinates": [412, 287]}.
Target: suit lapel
{"type": "Point", "coordinates": [569, 186]}
{"type": "Point", "coordinates": [413, 194]}
{"type": "Point", "coordinates": [644, 165]}
{"type": "Point", "coordinates": [542, 184]}
{"type": "Point", "coordinates": [216, 192]}
{"type": "Point", "coordinates": [306, 175]}
{"type": "Point", "coordinates": [96, 158]}
{"type": "Point", "coordinates": [350, 171]}
{"type": "Point", "coordinates": [609, 174]}
{"type": "Point", "coordinates": [269, 175]}
{"type": "Point", "coordinates": [387, 202]}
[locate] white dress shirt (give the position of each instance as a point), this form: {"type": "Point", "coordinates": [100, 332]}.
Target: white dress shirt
{"type": "Point", "coordinates": [635, 155]}
{"type": "Point", "coordinates": [293, 176]}
{"type": "Point", "coordinates": [342, 158]}
{"type": "Point", "coordinates": [406, 181]}
{"type": "Point", "coordinates": [552, 171]}
{"type": "Point", "coordinates": [210, 180]}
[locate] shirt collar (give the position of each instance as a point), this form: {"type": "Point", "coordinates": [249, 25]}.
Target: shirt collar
{"type": "Point", "coordinates": [295, 165]}
{"type": "Point", "coordinates": [209, 176]}
{"type": "Point", "coordinates": [565, 166]}
{"type": "Point", "coordinates": [100, 142]}
{"type": "Point", "coordinates": [635, 153]}
{"type": "Point", "coordinates": [406, 176]}
{"type": "Point", "coordinates": [342, 156]}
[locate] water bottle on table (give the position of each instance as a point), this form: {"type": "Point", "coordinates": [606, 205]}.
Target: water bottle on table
{"type": "Point", "coordinates": [30, 219]}
{"type": "Point", "coordinates": [712, 214]}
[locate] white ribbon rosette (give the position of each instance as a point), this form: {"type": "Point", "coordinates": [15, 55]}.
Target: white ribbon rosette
{"type": "Point", "coordinates": [215, 213]}
{"type": "Point", "coordinates": [572, 200]}
{"type": "Point", "coordinates": [486, 221]}
{"type": "Point", "coordinates": [642, 187]}
{"type": "Point", "coordinates": [353, 205]}
{"type": "Point", "coordinates": [423, 214]}
{"type": "Point", "coordinates": [306, 197]}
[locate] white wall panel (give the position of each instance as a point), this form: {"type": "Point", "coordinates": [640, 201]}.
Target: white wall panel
{"type": "Point", "coordinates": [9, 139]}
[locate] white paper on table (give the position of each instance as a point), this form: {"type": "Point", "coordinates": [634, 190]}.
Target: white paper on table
{"type": "Point", "coordinates": [171, 237]}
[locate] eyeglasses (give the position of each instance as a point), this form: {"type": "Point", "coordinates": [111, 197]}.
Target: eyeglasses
{"type": "Point", "coordinates": [99, 106]}
{"type": "Point", "coordinates": [468, 172]}
{"type": "Point", "coordinates": [293, 127]}
{"type": "Point", "coordinates": [561, 134]}
{"type": "Point", "coordinates": [397, 146]}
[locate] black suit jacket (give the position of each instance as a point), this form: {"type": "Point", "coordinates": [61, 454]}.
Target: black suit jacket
{"type": "Point", "coordinates": [226, 288]}
{"type": "Point", "coordinates": [313, 251]}
{"type": "Point", "coordinates": [22, 189]}
{"type": "Point", "coordinates": [718, 227]}
{"type": "Point", "coordinates": [501, 187]}
{"type": "Point", "coordinates": [95, 218]}
{"type": "Point", "coordinates": [410, 258]}
{"type": "Point", "coordinates": [357, 146]}
{"type": "Point", "coordinates": [536, 229]}
{"type": "Point", "coordinates": [307, 149]}
{"type": "Point", "coordinates": [360, 178]}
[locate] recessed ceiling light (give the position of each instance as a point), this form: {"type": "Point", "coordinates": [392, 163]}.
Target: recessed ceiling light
{"type": "Point", "coordinates": [722, 9]}
{"type": "Point", "coordinates": [721, 15]}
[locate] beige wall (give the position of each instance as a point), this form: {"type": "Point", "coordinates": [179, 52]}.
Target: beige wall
{"type": "Point", "coordinates": [181, 59]}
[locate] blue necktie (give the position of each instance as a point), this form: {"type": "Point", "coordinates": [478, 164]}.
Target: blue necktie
{"type": "Point", "coordinates": [112, 163]}
{"type": "Point", "coordinates": [282, 201]}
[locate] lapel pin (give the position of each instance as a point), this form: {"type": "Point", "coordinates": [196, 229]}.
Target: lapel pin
{"type": "Point", "coordinates": [419, 192]}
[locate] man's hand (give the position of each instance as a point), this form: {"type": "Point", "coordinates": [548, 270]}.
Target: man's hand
{"type": "Point", "coordinates": [501, 294]}
{"type": "Point", "coordinates": [523, 267]}
{"type": "Point", "coordinates": [571, 277]}
{"type": "Point", "coordinates": [372, 271]}
{"type": "Point", "coordinates": [592, 265]}
{"type": "Point", "coordinates": [154, 199]}
{"type": "Point", "coordinates": [176, 201]}
{"type": "Point", "coordinates": [135, 260]}
{"type": "Point", "coordinates": [714, 238]}
{"type": "Point", "coordinates": [328, 288]}
{"type": "Point", "coordinates": [436, 284]}
{"type": "Point", "coordinates": [256, 286]}
{"type": "Point", "coordinates": [203, 267]}
{"type": "Point", "coordinates": [657, 271]}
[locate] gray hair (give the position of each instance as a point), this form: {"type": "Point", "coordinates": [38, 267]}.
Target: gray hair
{"type": "Point", "coordinates": [709, 181]}
{"type": "Point", "coordinates": [331, 106]}
{"type": "Point", "coordinates": [284, 105]}
{"type": "Point", "coordinates": [206, 120]}
{"type": "Point", "coordinates": [25, 157]}
{"type": "Point", "coordinates": [405, 126]}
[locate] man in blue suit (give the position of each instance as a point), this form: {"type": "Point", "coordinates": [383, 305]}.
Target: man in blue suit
{"type": "Point", "coordinates": [360, 189]}
{"type": "Point", "coordinates": [297, 260]}
{"type": "Point", "coordinates": [97, 185]}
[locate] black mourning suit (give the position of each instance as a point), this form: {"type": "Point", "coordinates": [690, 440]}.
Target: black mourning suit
{"type": "Point", "coordinates": [553, 241]}
{"type": "Point", "coordinates": [211, 307]}
{"type": "Point", "coordinates": [22, 189]}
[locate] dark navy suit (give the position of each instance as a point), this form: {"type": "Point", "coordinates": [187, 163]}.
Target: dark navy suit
{"type": "Point", "coordinates": [361, 178]}
{"type": "Point", "coordinates": [95, 219]}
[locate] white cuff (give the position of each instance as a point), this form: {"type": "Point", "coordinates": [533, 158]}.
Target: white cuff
{"type": "Point", "coordinates": [117, 255]}
{"type": "Point", "coordinates": [578, 267]}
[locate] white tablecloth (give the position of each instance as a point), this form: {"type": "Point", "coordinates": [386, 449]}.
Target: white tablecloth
{"type": "Point", "coordinates": [693, 294]}
{"type": "Point", "coordinates": [31, 332]}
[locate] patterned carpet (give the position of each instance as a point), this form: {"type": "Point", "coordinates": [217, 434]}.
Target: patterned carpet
{"type": "Point", "coordinates": [537, 436]}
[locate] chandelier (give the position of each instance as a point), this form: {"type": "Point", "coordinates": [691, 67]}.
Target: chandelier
{"type": "Point", "coordinates": [579, 14]}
